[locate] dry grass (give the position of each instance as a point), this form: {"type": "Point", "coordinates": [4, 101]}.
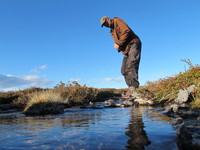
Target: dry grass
{"type": "Point", "coordinates": [48, 96]}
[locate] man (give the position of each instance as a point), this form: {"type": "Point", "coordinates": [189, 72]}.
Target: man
{"type": "Point", "coordinates": [127, 42]}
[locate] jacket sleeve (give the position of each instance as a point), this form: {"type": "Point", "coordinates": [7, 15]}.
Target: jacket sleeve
{"type": "Point", "coordinates": [124, 34]}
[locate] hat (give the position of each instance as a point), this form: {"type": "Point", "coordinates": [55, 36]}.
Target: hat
{"type": "Point", "coordinates": [103, 19]}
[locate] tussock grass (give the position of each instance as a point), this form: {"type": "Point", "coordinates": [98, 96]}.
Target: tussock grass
{"type": "Point", "coordinates": [48, 96]}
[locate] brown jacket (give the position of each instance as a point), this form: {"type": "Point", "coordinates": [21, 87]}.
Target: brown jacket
{"type": "Point", "coordinates": [123, 35]}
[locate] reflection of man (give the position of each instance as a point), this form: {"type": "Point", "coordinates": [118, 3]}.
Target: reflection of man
{"type": "Point", "coordinates": [129, 44]}
{"type": "Point", "coordinates": [136, 131]}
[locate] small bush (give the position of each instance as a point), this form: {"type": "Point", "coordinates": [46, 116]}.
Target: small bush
{"type": "Point", "coordinates": [79, 95]}
{"type": "Point", "coordinates": [107, 93]}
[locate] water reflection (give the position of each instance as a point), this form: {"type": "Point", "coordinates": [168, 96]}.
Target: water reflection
{"type": "Point", "coordinates": [136, 131]}
{"type": "Point", "coordinates": [91, 129]}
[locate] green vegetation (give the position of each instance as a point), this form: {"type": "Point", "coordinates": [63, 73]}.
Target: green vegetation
{"type": "Point", "coordinates": [169, 87]}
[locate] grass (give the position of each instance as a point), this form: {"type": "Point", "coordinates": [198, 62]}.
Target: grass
{"type": "Point", "coordinates": [73, 94]}
{"type": "Point", "coordinates": [171, 85]}
{"type": "Point", "coordinates": [44, 97]}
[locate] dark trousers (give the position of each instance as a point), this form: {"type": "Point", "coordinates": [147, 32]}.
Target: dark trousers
{"type": "Point", "coordinates": [130, 65]}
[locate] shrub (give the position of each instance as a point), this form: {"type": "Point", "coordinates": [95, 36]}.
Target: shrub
{"type": "Point", "coordinates": [107, 93]}
{"type": "Point", "coordinates": [79, 95]}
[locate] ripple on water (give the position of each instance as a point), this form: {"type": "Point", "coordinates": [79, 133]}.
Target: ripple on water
{"type": "Point", "coordinates": [86, 129]}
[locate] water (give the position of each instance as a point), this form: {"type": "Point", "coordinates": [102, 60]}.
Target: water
{"type": "Point", "coordinates": [88, 129]}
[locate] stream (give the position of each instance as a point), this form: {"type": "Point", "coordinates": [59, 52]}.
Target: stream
{"type": "Point", "coordinates": [131, 128]}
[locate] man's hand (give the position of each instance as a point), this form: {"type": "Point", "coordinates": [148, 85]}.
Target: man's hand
{"type": "Point", "coordinates": [116, 46]}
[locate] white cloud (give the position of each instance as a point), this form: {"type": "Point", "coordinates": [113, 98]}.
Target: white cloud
{"type": "Point", "coordinates": [19, 82]}
{"type": "Point", "coordinates": [77, 80]}
{"type": "Point", "coordinates": [43, 67]}
{"type": "Point", "coordinates": [30, 77]}
{"type": "Point", "coordinates": [118, 79]}
{"type": "Point", "coordinates": [37, 69]}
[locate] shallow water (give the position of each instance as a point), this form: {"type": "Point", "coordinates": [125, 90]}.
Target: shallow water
{"type": "Point", "coordinates": [88, 129]}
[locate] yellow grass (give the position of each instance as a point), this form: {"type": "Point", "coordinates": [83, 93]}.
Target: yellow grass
{"type": "Point", "coordinates": [48, 96]}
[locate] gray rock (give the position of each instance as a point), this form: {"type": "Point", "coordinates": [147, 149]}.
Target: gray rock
{"type": "Point", "coordinates": [128, 102]}
{"type": "Point", "coordinates": [141, 101]}
{"type": "Point", "coordinates": [110, 102]}
{"type": "Point", "coordinates": [168, 111]}
{"type": "Point", "coordinates": [150, 102]}
{"type": "Point", "coordinates": [190, 89]}
{"type": "Point", "coordinates": [175, 108]}
{"type": "Point", "coordinates": [135, 95]}
{"type": "Point", "coordinates": [183, 96]}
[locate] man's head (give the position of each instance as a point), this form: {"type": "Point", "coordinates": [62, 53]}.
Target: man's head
{"type": "Point", "coordinates": [105, 21]}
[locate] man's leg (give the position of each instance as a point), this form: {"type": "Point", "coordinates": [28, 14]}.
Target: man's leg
{"type": "Point", "coordinates": [132, 65]}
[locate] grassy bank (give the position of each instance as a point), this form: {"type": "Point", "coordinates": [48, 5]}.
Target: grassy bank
{"type": "Point", "coordinates": [72, 94]}
{"type": "Point", "coordinates": [169, 87]}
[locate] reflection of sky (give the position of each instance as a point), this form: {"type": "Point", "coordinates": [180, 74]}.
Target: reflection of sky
{"type": "Point", "coordinates": [82, 129]}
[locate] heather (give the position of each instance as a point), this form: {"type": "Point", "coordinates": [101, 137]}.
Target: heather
{"type": "Point", "coordinates": [169, 87]}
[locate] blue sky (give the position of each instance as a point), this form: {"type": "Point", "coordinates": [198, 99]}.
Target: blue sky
{"type": "Point", "coordinates": [43, 42]}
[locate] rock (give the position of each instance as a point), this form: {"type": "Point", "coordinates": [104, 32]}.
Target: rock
{"type": "Point", "coordinates": [120, 105]}
{"type": "Point", "coordinates": [150, 102]}
{"type": "Point", "coordinates": [175, 108]}
{"type": "Point", "coordinates": [128, 102]}
{"type": "Point", "coordinates": [141, 101]}
{"type": "Point", "coordinates": [177, 121]}
{"type": "Point", "coordinates": [110, 102]}
{"type": "Point", "coordinates": [190, 89]}
{"type": "Point", "coordinates": [135, 95]}
{"type": "Point", "coordinates": [183, 96]}
{"type": "Point", "coordinates": [168, 111]}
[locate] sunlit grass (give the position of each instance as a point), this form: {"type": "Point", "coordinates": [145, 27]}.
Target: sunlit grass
{"type": "Point", "coordinates": [171, 85]}
{"type": "Point", "coordinates": [48, 96]}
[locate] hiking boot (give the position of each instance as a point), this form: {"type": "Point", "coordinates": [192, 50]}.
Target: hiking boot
{"type": "Point", "coordinates": [128, 94]}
